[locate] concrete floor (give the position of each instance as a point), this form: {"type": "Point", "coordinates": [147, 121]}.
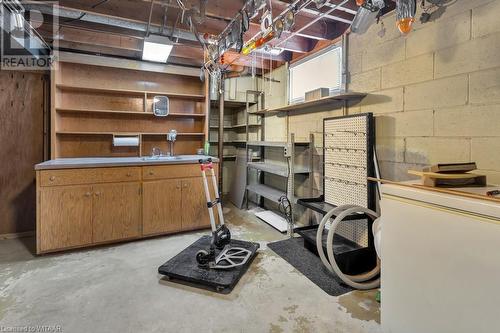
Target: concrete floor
{"type": "Point", "coordinates": [117, 289]}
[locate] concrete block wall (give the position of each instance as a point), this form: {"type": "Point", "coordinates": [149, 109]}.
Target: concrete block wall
{"type": "Point", "coordinates": [436, 92]}
{"type": "Point", "coordinates": [276, 96]}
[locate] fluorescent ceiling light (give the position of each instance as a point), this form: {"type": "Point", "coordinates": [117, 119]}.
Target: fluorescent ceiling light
{"type": "Point", "coordinates": [157, 48]}
{"type": "Point", "coordinates": [275, 51]}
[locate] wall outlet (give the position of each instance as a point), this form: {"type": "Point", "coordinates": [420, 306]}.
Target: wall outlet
{"type": "Point", "coordinates": [288, 151]}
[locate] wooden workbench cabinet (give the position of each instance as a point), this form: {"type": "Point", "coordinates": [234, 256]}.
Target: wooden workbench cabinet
{"type": "Point", "coordinates": [85, 207]}
{"type": "Point", "coordinates": [65, 217]}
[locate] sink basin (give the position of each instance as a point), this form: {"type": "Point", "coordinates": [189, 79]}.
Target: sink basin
{"type": "Point", "coordinates": [174, 158]}
{"type": "Point", "coordinates": [161, 158]}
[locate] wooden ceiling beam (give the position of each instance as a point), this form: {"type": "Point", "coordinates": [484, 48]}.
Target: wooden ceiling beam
{"type": "Point", "coordinates": [138, 12]}
{"type": "Point", "coordinates": [122, 53]}
{"type": "Point", "coordinates": [226, 10]}
{"type": "Point", "coordinates": [121, 25]}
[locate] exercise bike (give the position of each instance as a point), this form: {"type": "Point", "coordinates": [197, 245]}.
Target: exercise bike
{"type": "Point", "coordinates": [229, 256]}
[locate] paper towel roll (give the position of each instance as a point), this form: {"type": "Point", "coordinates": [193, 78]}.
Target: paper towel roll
{"type": "Point", "coordinates": [126, 141]}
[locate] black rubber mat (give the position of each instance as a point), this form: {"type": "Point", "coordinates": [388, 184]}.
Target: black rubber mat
{"type": "Point", "coordinates": [351, 258]}
{"type": "Point", "coordinates": [293, 251]}
{"type": "Point", "coordinates": [183, 268]}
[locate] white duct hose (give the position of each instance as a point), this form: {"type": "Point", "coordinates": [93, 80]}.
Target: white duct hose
{"type": "Point", "coordinates": [319, 234]}
{"type": "Point", "coordinates": [377, 235]}
{"type": "Point", "coordinates": [355, 281]}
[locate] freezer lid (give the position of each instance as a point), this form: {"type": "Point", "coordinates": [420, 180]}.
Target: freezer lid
{"type": "Point", "coordinates": [457, 203]}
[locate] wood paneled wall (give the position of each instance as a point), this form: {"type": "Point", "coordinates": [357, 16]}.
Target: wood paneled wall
{"type": "Point", "coordinates": [21, 147]}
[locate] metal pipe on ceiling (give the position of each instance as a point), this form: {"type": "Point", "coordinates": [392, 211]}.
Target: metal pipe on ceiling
{"type": "Point", "coordinates": [343, 9]}
{"type": "Point", "coordinates": [296, 2]}
{"type": "Point", "coordinates": [164, 21]}
{"type": "Point", "coordinates": [140, 28]}
{"type": "Point", "coordinates": [150, 17]}
{"type": "Point", "coordinates": [330, 17]}
{"type": "Point", "coordinates": [311, 23]}
{"type": "Point", "coordinates": [333, 7]}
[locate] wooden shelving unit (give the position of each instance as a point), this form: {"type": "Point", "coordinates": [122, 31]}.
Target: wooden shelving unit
{"type": "Point", "coordinates": [91, 104]}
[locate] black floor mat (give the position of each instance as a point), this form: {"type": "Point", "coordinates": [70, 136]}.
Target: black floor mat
{"type": "Point", "coordinates": [293, 251]}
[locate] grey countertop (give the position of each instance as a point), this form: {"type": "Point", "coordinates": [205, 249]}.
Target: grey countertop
{"type": "Point", "coordinates": [102, 162]}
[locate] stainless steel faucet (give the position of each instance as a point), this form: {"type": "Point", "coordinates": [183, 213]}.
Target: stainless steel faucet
{"type": "Point", "coordinates": [171, 137]}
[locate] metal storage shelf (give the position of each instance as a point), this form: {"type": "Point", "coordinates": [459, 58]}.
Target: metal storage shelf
{"type": "Point", "coordinates": [232, 104]}
{"type": "Point", "coordinates": [280, 170]}
{"type": "Point", "coordinates": [267, 192]}
{"type": "Point", "coordinates": [268, 144]}
{"type": "Point", "coordinates": [235, 126]}
{"type": "Point", "coordinates": [239, 142]}
{"type": "Point", "coordinates": [278, 144]}
{"type": "Point", "coordinates": [288, 170]}
{"type": "Point", "coordinates": [320, 206]}
{"type": "Point", "coordinates": [233, 157]}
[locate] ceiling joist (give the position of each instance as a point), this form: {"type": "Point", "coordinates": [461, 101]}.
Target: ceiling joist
{"type": "Point", "coordinates": [118, 27]}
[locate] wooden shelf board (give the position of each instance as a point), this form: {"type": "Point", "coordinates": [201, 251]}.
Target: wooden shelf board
{"type": "Point", "coordinates": [135, 113]}
{"type": "Point", "coordinates": [129, 92]}
{"type": "Point", "coordinates": [322, 102]}
{"type": "Point", "coordinates": [181, 134]}
{"type": "Point", "coordinates": [124, 133]}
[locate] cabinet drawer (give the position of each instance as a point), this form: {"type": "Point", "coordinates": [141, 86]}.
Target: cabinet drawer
{"type": "Point", "coordinates": [172, 171]}
{"type": "Point", "coordinates": [89, 176]}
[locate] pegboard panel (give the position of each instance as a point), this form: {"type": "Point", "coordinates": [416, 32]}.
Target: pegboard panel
{"type": "Point", "coordinates": [354, 230]}
{"type": "Point", "coordinates": [348, 159]}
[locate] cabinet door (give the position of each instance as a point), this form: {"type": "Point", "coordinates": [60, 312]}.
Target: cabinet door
{"type": "Point", "coordinates": [65, 217]}
{"type": "Point", "coordinates": [116, 211]}
{"type": "Point", "coordinates": [194, 204]}
{"type": "Point", "coordinates": [161, 207]}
